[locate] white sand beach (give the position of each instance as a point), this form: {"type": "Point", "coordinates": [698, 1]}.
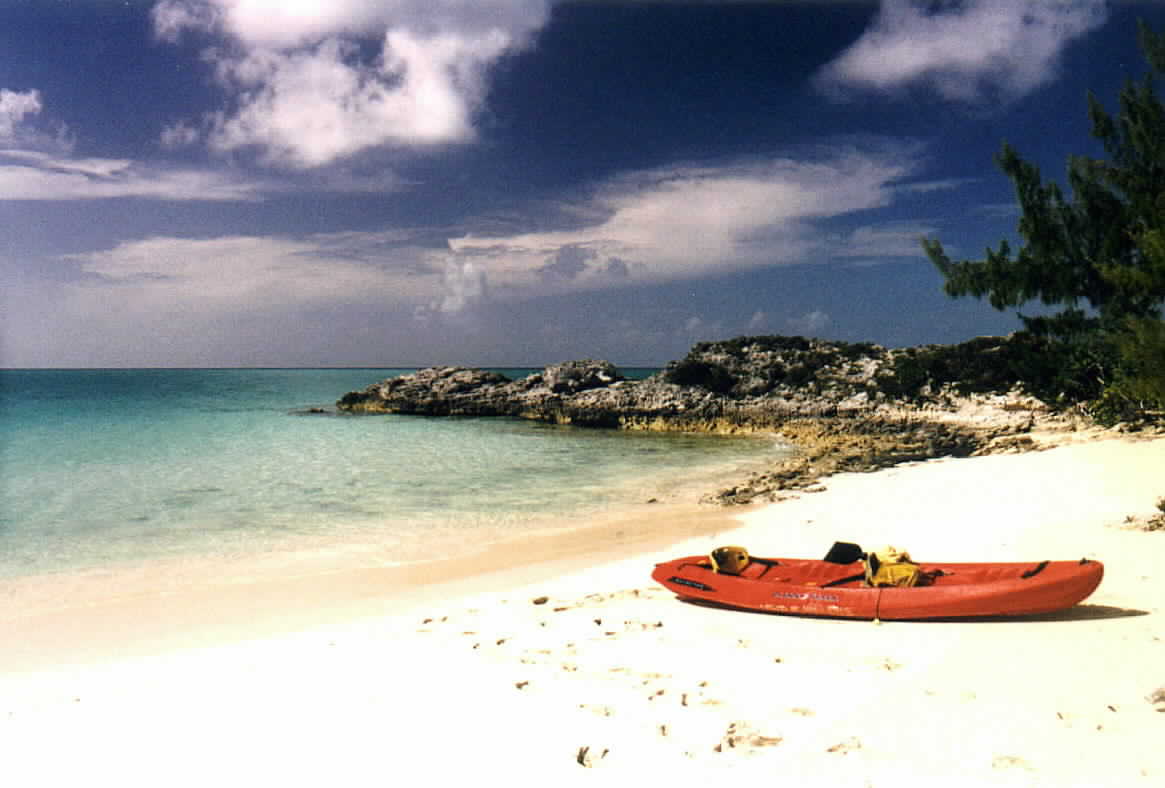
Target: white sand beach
{"type": "Point", "coordinates": [612, 678]}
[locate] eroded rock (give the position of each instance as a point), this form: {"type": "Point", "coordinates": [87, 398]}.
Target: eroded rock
{"type": "Point", "coordinates": [847, 406]}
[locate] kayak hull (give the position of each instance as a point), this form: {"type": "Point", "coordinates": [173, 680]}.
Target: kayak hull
{"type": "Point", "coordinates": [812, 588]}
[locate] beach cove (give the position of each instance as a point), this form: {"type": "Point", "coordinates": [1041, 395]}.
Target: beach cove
{"type": "Point", "coordinates": [278, 508]}
{"type": "Point", "coordinates": [577, 665]}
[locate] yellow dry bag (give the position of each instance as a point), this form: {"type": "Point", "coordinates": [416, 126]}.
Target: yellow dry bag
{"type": "Point", "coordinates": [892, 567]}
{"type": "Point", "coordinates": [729, 560]}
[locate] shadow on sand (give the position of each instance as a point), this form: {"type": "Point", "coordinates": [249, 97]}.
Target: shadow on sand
{"type": "Point", "coordinates": [1080, 612]}
{"type": "Point", "coordinates": [1077, 613]}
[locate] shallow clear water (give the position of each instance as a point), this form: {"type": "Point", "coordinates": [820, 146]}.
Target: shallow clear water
{"type": "Point", "coordinates": [105, 467]}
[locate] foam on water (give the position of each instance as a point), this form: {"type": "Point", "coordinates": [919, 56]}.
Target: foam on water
{"type": "Point", "coordinates": [112, 467]}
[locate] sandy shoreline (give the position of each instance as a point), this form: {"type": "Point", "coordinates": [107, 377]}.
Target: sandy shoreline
{"type": "Point", "coordinates": [475, 680]}
{"type": "Point", "coordinates": [162, 606]}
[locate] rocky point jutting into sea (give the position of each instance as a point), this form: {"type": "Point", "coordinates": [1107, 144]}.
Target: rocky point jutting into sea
{"type": "Point", "coordinates": [846, 406]}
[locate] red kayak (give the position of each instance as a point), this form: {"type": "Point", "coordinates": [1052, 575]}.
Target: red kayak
{"type": "Point", "coordinates": [826, 588]}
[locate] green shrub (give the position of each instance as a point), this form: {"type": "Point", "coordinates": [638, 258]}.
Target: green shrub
{"type": "Point", "coordinates": [690, 372]}
{"type": "Point", "coordinates": [1142, 362]}
{"type": "Point", "coordinates": [1058, 371]}
{"type": "Point", "coordinates": [798, 375]}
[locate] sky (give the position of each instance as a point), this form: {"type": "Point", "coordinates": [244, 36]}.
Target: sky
{"type": "Point", "coordinates": [204, 183]}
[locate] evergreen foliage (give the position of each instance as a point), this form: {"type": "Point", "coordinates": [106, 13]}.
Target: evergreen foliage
{"type": "Point", "coordinates": [984, 365]}
{"type": "Point", "coordinates": [1100, 255]}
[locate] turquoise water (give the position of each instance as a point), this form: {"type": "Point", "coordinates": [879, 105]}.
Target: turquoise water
{"type": "Point", "coordinates": [111, 467]}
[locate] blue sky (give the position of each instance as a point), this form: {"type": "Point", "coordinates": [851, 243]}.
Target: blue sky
{"type": "Point", "coordinates": [517, 182]}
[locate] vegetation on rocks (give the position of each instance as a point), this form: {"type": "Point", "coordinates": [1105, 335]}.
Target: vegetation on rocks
{"type": "Point", "coordinates": [790, 367]}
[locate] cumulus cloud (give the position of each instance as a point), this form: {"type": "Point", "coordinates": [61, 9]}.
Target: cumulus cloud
{"type": "Point", "coordinates": [699, 328]}
{"type": "Point", "coordinates": [464, 284]}
{"type": "Point", "coordinates": [179, 135]}
{"type": "Point", "coordinates": [14, 107]}
{"type": "Point", "coordinates": [964, 50]}
{"type": "Point", "coordinates": [810, 324]}
{"type": "Point", "coordinates": [759, 322]}
{"type": "Point", "coordinates": [308, 93]}
{"type": "Point", "coordinates": [683, 222]}
{"type": "Point", "coordinates": [19, 128]}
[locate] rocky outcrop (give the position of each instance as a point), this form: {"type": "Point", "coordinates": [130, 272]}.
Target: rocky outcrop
{"type": "Point", "coordinates": [828, 446]}
{"type": "Point", "coordinates": [741, 385]}
{"type": "Point", "coordinates": [847, 406]}
{"type": "Point", "coordinates": [438, 391]}
{"type": "Point", "coordinates": [556, 394]}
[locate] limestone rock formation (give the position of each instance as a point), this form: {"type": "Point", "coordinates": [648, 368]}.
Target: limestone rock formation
{"type": "Point", "coordinates": [739, 385]}
{"type": "Point", "coordinates": [849, 406]}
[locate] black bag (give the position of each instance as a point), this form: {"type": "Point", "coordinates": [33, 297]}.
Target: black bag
{"type": "Point", "coordinates": [844, 553]}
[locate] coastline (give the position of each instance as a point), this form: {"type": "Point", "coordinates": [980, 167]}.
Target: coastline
{"type": "Point", "coordinates": [611, 673]}
{"type": "Point", "coordinates": [164, 606]}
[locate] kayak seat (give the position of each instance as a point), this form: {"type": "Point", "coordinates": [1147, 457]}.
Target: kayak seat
{"type": "Point", "coordinates": [756, 569]}
{"type": "Point", "coordinates": [816, 573]}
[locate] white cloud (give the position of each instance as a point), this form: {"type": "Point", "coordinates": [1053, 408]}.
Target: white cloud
{"type": "Point", "coordinates": [285, 24]}
{"type": "Point", "coordinates": [34, 175]}
{"type": "Point", "coordinates": [179, 135]}
{"type": "Point", "coordinates": [245, 272]}
{"type": "Point", "coordinates": [944, 184]}
{"type": "Point", "coordinates": [185, 285]}
{"type": "Point", "coordinates": [964, 50]}
{"type": "Point", "coordinates": [172, 17]}
{"type": "Point", "coordinates": [307, 95]}
{"type": "Point", "coordinates": [895, 239]}
{"type": "Point", "coordinates": [14, 106]}
{"type": "Point", "coordinates": [239, 300]}
{"type": "Point", "coordinates": [696, 327]}
{"type": "Point", "coordinates": [809, 324]}
{"type": "Point", "coordinates": [166, 300]}
{"type": "Point", "coordinates": [689, 221]}
{"type": "Point", "coordinates": [464, 284]}
{"type": "Point", "coordinates": [36, 166]}
{"type": "Point", "coordinates": [652, 226]}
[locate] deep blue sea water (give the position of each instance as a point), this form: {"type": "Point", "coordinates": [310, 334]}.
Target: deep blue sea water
{"type": "Point", "coordinates": [104, 468]}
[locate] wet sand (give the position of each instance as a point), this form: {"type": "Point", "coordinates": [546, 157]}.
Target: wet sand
{"type": "Point", "coordinates": [162, 606]}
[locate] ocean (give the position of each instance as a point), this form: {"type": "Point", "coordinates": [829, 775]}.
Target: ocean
{"type": "Point", "coordinates": [108, 469]}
